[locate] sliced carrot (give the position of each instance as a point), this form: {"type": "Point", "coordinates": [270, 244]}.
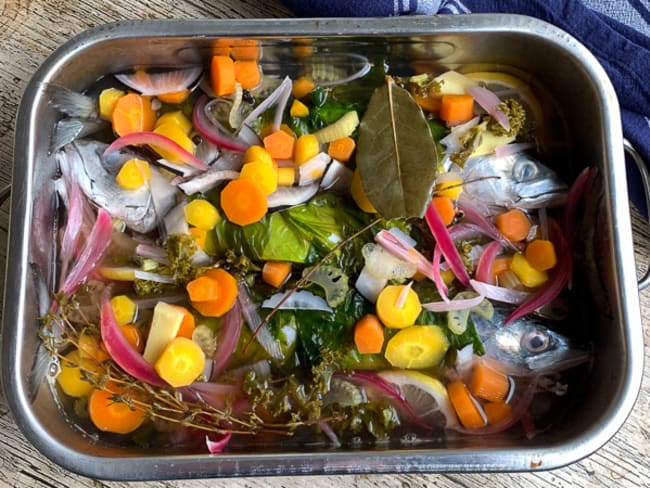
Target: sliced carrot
{"type": "Point", "coordinates": [202, 289]}
{"type": "Point", "coordinates": [488, 384]}
{"type": "Point", "coordinates": [445, 208]}
{"type": "Point", "coordinates": [496, 411]}
{"type": "Point", "coordinates": [187, 325]}
{"type": "Point", "coordinates": [90, 348]}
{"type": "Point", "coordinates": [342, 149]}
{"type": "Point", "coordinates": [243, 201]}
{"type": "Point", "coordinates": [501, 264]}
{"type": "Point", "coordinates": [275, 273]}
{"type": "Point", "coordinates": [110, 415]}
{"type": "Point", "coordinates": [174, 97]}
{"type": "Point", "coordinates": [302, 86]}
{"type": "Point", "coordinates": [429, 104]}
{"type": "Point", "coordinates": [225, 297]}
{"type": "Point", "coordinates": [222, 75]}
{"type": "Point", "coordinates": [456, 108]}
{"type": "Point", "coordinates": [280, 144]}
{"type": "Point", "coordinates": [222, 46]}
{"type": "Point", "coordinates": [369, 335]}
{"type": "Point", "coordinates": [181, 362]}
{"type": "Point", "coordinates": [245, 49]}
{"type": "Point", "coordinates": [541, 255]}
{"type": "Point", "coordinates": [133, 113]}
{"type": "Point", "coordinates": [133, 336]}
{"type": "Point", "coordinates": [513, 224]}
{"type": "Point", "coordinates": [247, 73]}
{"type": "Point", "coordinates": [466, 408]}
{"type": "Point", "coordinates": [200, 236]}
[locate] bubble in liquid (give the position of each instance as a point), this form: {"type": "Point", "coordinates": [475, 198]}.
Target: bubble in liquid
{"type": "Point", "coordinates": [409, 438]}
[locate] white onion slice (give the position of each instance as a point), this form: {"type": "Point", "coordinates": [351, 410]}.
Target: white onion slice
{"type": "Point", "coordinates": [205, 181]}
{"type": "Point", "coordinates": [337, 177]}
{"type": "Point", "coordinates": [284, 90]}
{"type": "Point", "coordinates": [313, 169]}
{"type": "Point", "coordinates": [292, 195]}
{"type": "Point", "coordinates": [452, 140]}
{"type": "Point", "coordinates": [499, 293]}
{"type": "Point", "coordinates": [369, 285]}
{"type": "Point", "coordinates": [157, 277]}
{"type": "Point", "coordinates": [453, 304]}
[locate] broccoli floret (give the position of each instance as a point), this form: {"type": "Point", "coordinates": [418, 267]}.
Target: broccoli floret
{"type": "Point", "coordinates": [516, 114]}
{"type": "Point", "coordinates": [180, 249]}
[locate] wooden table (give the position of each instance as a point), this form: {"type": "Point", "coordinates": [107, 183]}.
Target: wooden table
{"type": "Point", "coordinates": [29, 31]}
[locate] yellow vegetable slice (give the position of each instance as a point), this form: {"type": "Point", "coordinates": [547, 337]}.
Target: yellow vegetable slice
{"type": "Point", "coordinates": [391, 314]}
{"type": "Point", "coordinates": [417, 347]}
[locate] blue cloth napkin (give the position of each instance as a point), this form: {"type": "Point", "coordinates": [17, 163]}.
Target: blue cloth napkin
{"type": "Point", "coordinates": [615, 31]}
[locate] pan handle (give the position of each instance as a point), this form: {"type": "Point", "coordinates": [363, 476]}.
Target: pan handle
{"type": "Point", "coordinates": [645, 179]}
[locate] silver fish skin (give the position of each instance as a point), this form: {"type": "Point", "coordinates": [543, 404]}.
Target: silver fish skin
{"type": "Point", "coordinates": [527, 346]}
{"type": "Point", "coordinates": [82, 161]}
{"type": "Point", "coordinates": [520, 181]}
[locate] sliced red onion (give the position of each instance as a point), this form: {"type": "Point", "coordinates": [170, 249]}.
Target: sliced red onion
{"type": "Point", "coordinates": [156, 277]}
{"type": "Point", "coordinates": [72, 228]}
{"type": "Point", "coordinates": [228, 342]}
{"type": "Point", "coordinates": [329, 433]}
{"type": "Point", "coordinates": [532, 233]}
{"type": "Point", "coordinates": [123, 353]}
{"type": "Point", "coordinates": [512, 148]}
{"type": "Point", "coordinates": [216, 447]}
{"type": "Point", "coordinates": [490, 103]}
{"type": "Point", "coordinates": [157, 140]}
{"type": "Point", "coordinates": [402, 249]}
{"type": "Point", "coordinates": [158, 254]}
{"type": "Point", "coordinates": [205, 181]}
{"type": "Point", "coordinates": [254, 322]}
{"type": "Point", "coordinates": [464, 230]}
{"type": "Point", "coordinates": [214, 394]}
{"type": "Point", "coordinates": [471, 212]}
{"type": "Point", "coordinates": [403, 295]}
{"type": "Point", "coordinates": [370, 379]}
{"type": "Point", "coordinates": [499, 293]}
{"type": "Point", "coordinates": [556, 282]}
{"type": "Point", "coordinates": [282, 91]}
{"type": "Point", "coordinates": [406, 239]}
{"type": "Point", "coordinates": [151, 84]}
{"type": "Point", "coordinates": [578, 190]}
{"type": "Point", "coordinates": [451, 305]}
{"type": "Point", "coordinates": [441, 286]}
{"type": "Point", "coordinates": [96, 246]}
{"type": "Point", "coordinates": [543, 222]}
{"type": "Point", "coordinates": [447, 246]}
{"type": "Point", "coordinates": [297, 300]}
{"type": "Point", "coordinates": [207, 130]}
{"type": "Point", "coordinates": [314, 169]}
{"type": "Point", "coordinates": [292, 195]}
{"type": "Point", "coordinates": [179, 169]}
{"type": "Point", "coordinates": [486, 262]}
{"type": "Point", "coordinates": [337, 177]}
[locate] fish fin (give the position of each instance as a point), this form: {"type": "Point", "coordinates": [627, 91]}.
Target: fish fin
{"type": "Point", "coordinates": [70, 102]}
{"type": "Point", "coordinates": [73, 128]}
{"type": "Point", "coordinates": [42, 365]}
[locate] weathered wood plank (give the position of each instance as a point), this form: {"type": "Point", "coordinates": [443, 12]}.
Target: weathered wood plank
{"type": "Point", "coordinates": [29, 31]}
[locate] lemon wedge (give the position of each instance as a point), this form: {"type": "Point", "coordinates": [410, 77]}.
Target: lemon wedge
{"type": "Point", "coordinates": [425, 394]}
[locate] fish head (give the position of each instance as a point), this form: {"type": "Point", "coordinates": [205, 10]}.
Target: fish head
{"type": "Point", "coordinates": [516, 180]}
{"type": "Point", "coordinates": [528, 347]}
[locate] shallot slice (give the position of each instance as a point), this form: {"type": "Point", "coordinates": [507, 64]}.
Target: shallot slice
{"type": "Point", "coordinates": [490, 103]}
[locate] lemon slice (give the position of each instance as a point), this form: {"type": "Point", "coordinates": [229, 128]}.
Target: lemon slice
{"type": "Point", "coordinates": [426, 395]}
{"type": "Point", "coordinates": [503, 83]}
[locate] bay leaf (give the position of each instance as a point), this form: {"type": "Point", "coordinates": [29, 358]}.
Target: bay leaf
{"type": "Point", "coordinates": [396, 154]}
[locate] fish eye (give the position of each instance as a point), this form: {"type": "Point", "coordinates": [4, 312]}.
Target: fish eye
{"type": "Point", "coordinates": [535, 341]}
{"type": "Point", "coordinates": [525, 170]}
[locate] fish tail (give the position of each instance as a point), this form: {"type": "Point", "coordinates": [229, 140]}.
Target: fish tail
{"type": "Point", "coordinates": [70, 102]}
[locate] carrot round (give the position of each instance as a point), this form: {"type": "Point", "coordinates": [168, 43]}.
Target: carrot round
{"type": "Point", "coordinates": [280, 145]}
{"type": "Point", "coordinates": [187, 325]}
{"type": "Point", "coordinates": [541, 255]}
{"type": "Point", "coordinates": [110, 415]}
{"type": "Point", "coordinates": [369, 335]}
{"type": "Point", "coordinates": [202, 289]}
{"type": "Point", "coordinates": [275, 273]}
{"type": "Point", "coordinates": [223, 298]}
{"type": "Point", "coordinates": [456, 108]}
{"type": "Point", "coordinates": [488, 384]}
{"type": "Point", "coordinates": [181, 362]}
{"type": "Point", "coordinates": [466, 408]}
{"type": "Point", "coordinates": [243, 201]}
{"type": "Point", "coordinates": [501, 264]}
{"type": "Point", "coordinates": [174, 97]}
{"type": "Point", "coordinates": [445, 208]}
{"type": "Point", "coordinates": [513, 224]}
{"type": "Point", "coordinates": [341, 149]}
{"type": "Point", "coordinates": [429, 104]}
{"type": "Point", "coordinates": [133, 336]}
{"type": "Point", "coordinates": [247, 73]}
{"type": "Point", "coordinates": [496, 411]}
{"type": "Point", "coordinates": [222, 75]}
{"type": "Point", "coordinates": [133, 113]}
{"type": "Point", "coordinates": [302, 86]}
{"type": "Point", "coordinates": [245, 49]}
